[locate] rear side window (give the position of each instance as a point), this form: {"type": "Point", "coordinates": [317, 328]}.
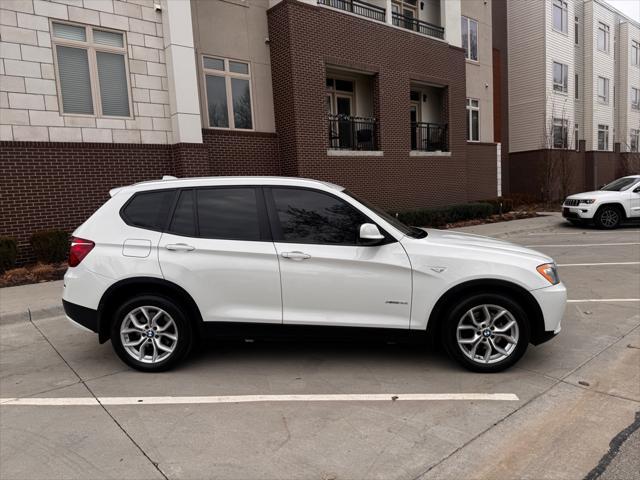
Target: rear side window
{"type": "Point", "coordinates": [184, 220]}
{"type": "Point", "coordinates": [228, 213]}
{"type": "Point", "coordinates": [307, 216]}
{"type": "Point", "coordinates": [149, 209]}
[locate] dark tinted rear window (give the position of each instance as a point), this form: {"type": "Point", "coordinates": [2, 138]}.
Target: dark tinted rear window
{"type": "Point", "coordinates": [228, 213]}
{"type": "Point", "coordinates": [149, 209]}
{"type": "Point", "coordinates": [183, 221]}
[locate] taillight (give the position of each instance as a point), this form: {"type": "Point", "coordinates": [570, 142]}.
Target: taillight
{"type": "Point", "coordinates": [80, 248]}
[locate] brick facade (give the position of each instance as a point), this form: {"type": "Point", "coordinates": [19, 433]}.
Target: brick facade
{"type": "Point", "coordinates": [395, 58]}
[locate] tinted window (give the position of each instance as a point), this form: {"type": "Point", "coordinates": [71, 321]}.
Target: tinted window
{"type": "Point", "coordinates": [228, 213]}
{"type": "Point", "coordinates": [149, 210]}
{"type": "Point", "coordinates": [308, 216]}
{"type": "Point", "coordinates": [183, 221]}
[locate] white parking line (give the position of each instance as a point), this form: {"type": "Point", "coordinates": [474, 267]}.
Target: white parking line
{"type": "Point", "coordinates": [595, 264]}
{"type": "Point", "coordinates": [542, 234]}
{"type": "Point", "coordinates": [586, 245]}
{"type": "Point", "coordinates": [349, 397]}
{"type": "Point", "coordinates": [604, 300]}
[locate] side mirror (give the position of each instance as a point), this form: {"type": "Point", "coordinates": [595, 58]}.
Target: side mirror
{"type": "Point", "coordinates": [369, 234]}
{"type": "Point", "coordinates": [636, 190]}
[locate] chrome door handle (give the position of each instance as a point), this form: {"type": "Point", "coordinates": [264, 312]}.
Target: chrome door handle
{"type": "Point", "coordinates": [295, 255]}
{"type": "Point", "coordinates": [180, 247]}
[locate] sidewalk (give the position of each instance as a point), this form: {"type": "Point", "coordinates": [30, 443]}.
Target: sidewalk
{"type": "Point", "coordinates": [41, 299]}
{"type": "Point", "coordinates": [44, 299]}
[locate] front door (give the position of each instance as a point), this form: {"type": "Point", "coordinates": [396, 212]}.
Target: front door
{"type": "Point", "coordinates": [327, 277]}
{"type": "Point", "coordinates": [219, 250]}
{"type": "Point", "coordinates": [634, 201]}
{"type": "Point", "coordinates": [414, 111]}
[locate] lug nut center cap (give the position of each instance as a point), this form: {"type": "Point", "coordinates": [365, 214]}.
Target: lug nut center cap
{"type": "Point", "coordinates": [486, 333]}
{"type": "Point", "coordinates": [150, 333]}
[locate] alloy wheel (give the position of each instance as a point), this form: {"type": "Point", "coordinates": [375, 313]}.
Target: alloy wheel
{"type": "Point", "coordinates": [609, 218]}
{"type": "Point", "coordinates": [487, 334]}
{"type": "Point", "coordinates": [149, 334]}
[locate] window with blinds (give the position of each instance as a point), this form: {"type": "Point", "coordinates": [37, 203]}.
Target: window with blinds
{"type": "Point", "coordinates": [92, 70]}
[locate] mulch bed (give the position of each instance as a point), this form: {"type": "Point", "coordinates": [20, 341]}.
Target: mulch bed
{"type": "Point", "coordinates": [505, 217]}
{"type": "Point", "coordinates": [40, 272]}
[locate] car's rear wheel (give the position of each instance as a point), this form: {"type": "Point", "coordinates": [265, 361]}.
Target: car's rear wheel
{"type": "Point", "coordinates": [486, 332]}
{"type": "Point", "coordinates": [608, 217]}
{"type": "Point", "coordinates": [151, 333]}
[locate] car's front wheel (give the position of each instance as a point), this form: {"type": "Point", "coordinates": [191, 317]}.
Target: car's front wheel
{"type": "Point", "coordinates": [151, 333]}
{"type": "Point", "coordinates": [486, 332]}
{"type": "Point", "coordinates": [608, 217]}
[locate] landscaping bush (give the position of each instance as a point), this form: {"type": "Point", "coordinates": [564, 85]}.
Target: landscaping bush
{"type": "Point", "coordinates": [8, 253]}
{"type": "Point", "coordinates": [500, 205]}
{"type": "Point", "coordinates": [50, 246]}
{"type": "Point", "coordinates": [439, 216]}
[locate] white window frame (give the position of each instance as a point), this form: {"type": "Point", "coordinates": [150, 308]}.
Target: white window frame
{"type": "Point", "coordinates": [467, 47]}
{"type": "Point", "coordinates": [604, 100]}
{"type": "Point", "coordinates": [473, 108]}
{"type": "Point", "coordinates": [564, 16]}
{"type": "Point", "coordinates": [333, 93]}
{"type": "Point", "coordinates": [227, 74]}
{"type": "Point", "coordinates": [634, 134]}
{"type": "Point", "coordinates": [606, 31]}
{"type": "Point", "coordinates": [91, 49]}
{"type": "Point", "coordinates": [635, 53]}
{"type": "Point", "coordinates": [605, 130]}
{"type": "Point", "coordinates": [562, 87]}
{"type": "Point", "coordinates": [635, 92]}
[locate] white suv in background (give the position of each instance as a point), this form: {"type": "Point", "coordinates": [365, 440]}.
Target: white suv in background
{"type": "Point", "coordinates": [613, 203]}
{"type": "Point", "coordinates": [165, 263]}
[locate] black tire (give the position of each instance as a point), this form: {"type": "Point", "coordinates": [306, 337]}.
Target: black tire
{"type": "Point", "coordinates": [183, 331]}
{"type": "Point", "coordinates": [608, 217]}
{"type": "Point", "coordinates": [449, 331]}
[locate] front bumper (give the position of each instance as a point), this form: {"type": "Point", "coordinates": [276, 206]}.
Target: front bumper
{"type": "Point", "coordinates": [83, 316]}
{"type": "Point", "coordinates": [552, 301]}
{"type": "Point", "coordinates": [581, 212]}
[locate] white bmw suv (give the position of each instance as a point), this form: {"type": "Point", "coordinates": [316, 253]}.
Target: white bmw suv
{"type": "Point", "coordinates": [614, 203]}
{"type": "Point", "coordinates": [164, 264]}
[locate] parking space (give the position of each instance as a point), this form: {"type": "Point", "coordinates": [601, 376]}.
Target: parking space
{"type": "Point", "coordinates": [568, 398]}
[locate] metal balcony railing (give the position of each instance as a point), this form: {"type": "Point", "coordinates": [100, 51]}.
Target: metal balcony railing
{"type": "Point", "coordinates": [357, 7]}
{"type": "Point", "coordinates": [429, 137]}
{"type": "Point", "coordinates": [352, 133]}
{"type": "Point", "coordinates": [416, 25]}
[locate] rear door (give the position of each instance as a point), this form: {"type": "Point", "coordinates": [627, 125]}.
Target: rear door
{"type": "Point", "coordinates": [218, 248]}
{"type": "Point", "coordinates": [328, 278]}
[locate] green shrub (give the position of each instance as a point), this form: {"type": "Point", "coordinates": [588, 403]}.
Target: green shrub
{"type": "Point", "coordinates": [50, 246]}
{"type": "Point", "coordinates": [8, 253]}
{"type": "Point", "coordinates": [500, 205]}
{"type": "Point", "coordinates": [439, 216]}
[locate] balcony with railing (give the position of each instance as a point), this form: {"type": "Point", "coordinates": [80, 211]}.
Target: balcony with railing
{"type": "Point", "coordinates": [429, 137]}
{"type": "Point", "coordinates": [347, 132]}
{"type": "Point", "coordinates": [357, 7]}
{"type": "Point", "coordinates": [416, 25]}
{"type": "Point", "coordinates": [406, 14]}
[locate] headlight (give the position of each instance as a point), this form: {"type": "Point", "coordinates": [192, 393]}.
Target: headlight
{"type": "Point", "coordinates": [587, 201]}
{"type": "Point", "coordinates": [550, 272]}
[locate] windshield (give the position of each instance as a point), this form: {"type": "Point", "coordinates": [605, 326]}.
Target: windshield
{"type": "Point", "coordinates": [405, 229]}
{"type": "Point", "coordinates": [620, 184]}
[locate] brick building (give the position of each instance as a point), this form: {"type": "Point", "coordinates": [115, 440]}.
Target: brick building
{"type": "Point", "coordinates": [390, 98]}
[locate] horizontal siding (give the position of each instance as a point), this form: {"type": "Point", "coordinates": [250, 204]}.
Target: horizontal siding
{"type": "Point", "coordinates": [526, 38]}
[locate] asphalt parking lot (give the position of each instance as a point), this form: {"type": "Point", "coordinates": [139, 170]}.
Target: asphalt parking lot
{"type": "Point", "coordinates": [568, 407]}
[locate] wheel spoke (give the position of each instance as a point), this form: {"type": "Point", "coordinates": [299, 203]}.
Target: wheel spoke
{"type": "Point", "coordinates": [132, 330]}
{"type": "Point", "coordinates": [487, 352]}
{"type": "Point", "coordinates": [508, 338]}
{"type": "Point", "coordinates": [169, 336]}
{"type": "Point", "coordinates": [145, 313]}
{"type": "Point", "coordinates": [142, 349]}
{"type": "Point", "coordinates": [162, 347]}
{"type": "Point", "coordinates": [155, 318]}
{"type": "Point", "coordinates": [472, 317]}
{"type": "Point", "coordinates": [487, 315]}
{"type": "Point", "coordinates": [469, 341]}
{"type": "Point", "coordinates": [497, 347]}
{"type": "Point", "coordinates": [134, 343]}
{"type": "Point", "coordinates": [154, 356]}
{"type": "Point", "coordinates": [506, 328]}
{"type": "Point", "coordinates": [132, 318]}
{"type": "Point", "coordinates": [497, 317]}
{"type": "Point", "coordinates": [466, 327]}
{"type": "Point", "coordinates": [475, 348]}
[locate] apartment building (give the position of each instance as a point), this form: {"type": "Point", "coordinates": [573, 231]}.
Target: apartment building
{"type": "Point", "coordinates": [391, 98]}
{"type": "Point", "coordinates": [573, 84]}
